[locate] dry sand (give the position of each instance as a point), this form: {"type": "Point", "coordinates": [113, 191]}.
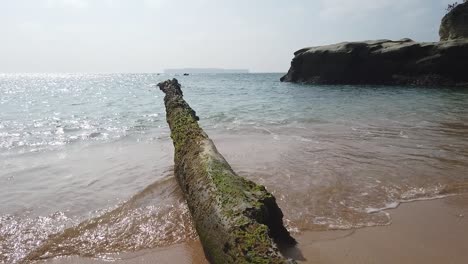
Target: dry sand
{"type": "Point", "coordinates": [426, 232]}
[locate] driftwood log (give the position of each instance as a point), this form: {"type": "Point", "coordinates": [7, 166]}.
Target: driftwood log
{"type": "Point", "coordinates": [237, 220]}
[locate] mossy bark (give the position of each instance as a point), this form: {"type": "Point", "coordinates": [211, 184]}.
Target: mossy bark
{"type": "Point", "coordinates": [237, 220]}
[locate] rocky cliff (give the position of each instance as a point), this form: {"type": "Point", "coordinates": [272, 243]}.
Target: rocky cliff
{"type": "Point", "coordinates": [387, 62]}
{"type": "Point", "coordinates": [402, 62]}
{"type": "Point", "coordinates": [455, 24]}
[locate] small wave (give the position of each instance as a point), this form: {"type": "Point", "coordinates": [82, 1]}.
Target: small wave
{"type": "Point", "coordinates": [303, 139]}
{"type": "Point", "coordinates": [19, 236]}
{"type": "Point", "coordinates": [396, 204]}
{"type": "Point", "coordinates": [391, 205]}
{"type": "Point", "coordinates": [423, 194]}
{"type": "Point", "coordinates": [157, 216]}
{"type": "Point", "coordinates": [328, 213]}
{"type": "Point", "coordinates": [455, 188]}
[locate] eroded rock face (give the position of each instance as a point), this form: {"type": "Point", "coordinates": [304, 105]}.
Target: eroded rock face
{"type": "Point", "coordinates": [402, 62]}
{"type": "Point", "coordinates": [455, 24]}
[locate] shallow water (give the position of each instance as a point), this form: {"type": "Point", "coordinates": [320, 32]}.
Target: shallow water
{"type": "Point", "coordinates": [92, 153]}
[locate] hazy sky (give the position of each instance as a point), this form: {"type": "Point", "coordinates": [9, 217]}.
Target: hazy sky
{"type": "Point", "coordinates": [150, 35]}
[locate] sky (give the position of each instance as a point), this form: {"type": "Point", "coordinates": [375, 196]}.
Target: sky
{"type": "Point", "coordinates": [108, 36]}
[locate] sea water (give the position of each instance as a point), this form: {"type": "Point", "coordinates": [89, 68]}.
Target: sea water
{"type": "Point", "coordinates": [92, 153]}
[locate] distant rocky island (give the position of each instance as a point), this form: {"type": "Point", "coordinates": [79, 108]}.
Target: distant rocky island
{"type": "Point", "coordinates": [204, 70]}
{"type": "Point", "coordinates": [402, 62]}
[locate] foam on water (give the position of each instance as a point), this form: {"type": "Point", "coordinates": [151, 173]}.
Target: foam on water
{"type": "Point", "coordinates": [391, 205]}
{"type": "Point", "coordinates": [157, 216]}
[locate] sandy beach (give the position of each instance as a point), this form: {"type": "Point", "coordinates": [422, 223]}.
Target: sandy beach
{"type": "Point", "coordinates": [434, 231]}
{"type": "Point", "coordinates": [421, 232]}
{"type": "Point", "coordinates": [158, 131]}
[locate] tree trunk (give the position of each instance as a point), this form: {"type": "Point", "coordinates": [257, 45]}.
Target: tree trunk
{"type": "Point", "coordinates": [237, 220]}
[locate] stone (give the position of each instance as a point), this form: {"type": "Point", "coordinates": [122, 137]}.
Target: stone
{"type": "Point", "coordinates": [455, 23]}
{"type": "Point", "coordinates": [383, 62]}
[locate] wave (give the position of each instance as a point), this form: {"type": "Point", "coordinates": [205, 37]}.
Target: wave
{"type": "Point", "coordinates": [157, 216]}
{"type": "Point", "coordinates": [352, 217]}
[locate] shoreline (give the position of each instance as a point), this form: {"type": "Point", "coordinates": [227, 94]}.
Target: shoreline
{"type": "Point", "coordinates": [428, 231]}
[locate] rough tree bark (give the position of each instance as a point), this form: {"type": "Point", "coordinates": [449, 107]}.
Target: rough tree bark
{"type": "Point", "coordinates": [237, 220]}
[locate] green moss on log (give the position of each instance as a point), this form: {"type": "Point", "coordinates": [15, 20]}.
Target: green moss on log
{"type": "Point", "coordinates": [184, 127]}
{"type": "Point", "coordinates": [238, 221]}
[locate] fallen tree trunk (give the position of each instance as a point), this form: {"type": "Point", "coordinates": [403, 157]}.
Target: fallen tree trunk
{"type": "Point", "coordinates": [237, 220]}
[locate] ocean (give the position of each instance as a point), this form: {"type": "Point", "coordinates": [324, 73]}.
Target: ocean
{"type": "Point", "coordinates": [86, 160]}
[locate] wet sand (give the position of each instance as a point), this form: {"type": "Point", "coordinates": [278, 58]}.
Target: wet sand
{"type": "Point", "coordinates": [421, 232]}
{"type": "Point", "coordinates": [434, 231]}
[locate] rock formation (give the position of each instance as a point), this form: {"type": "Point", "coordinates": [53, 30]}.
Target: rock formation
{"type": "Point", "coordinates": [455, 23]}
{"type": "Point", "coordinates": [387, 62]}
{"type": "Point", "coordinates": [237, 220]}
